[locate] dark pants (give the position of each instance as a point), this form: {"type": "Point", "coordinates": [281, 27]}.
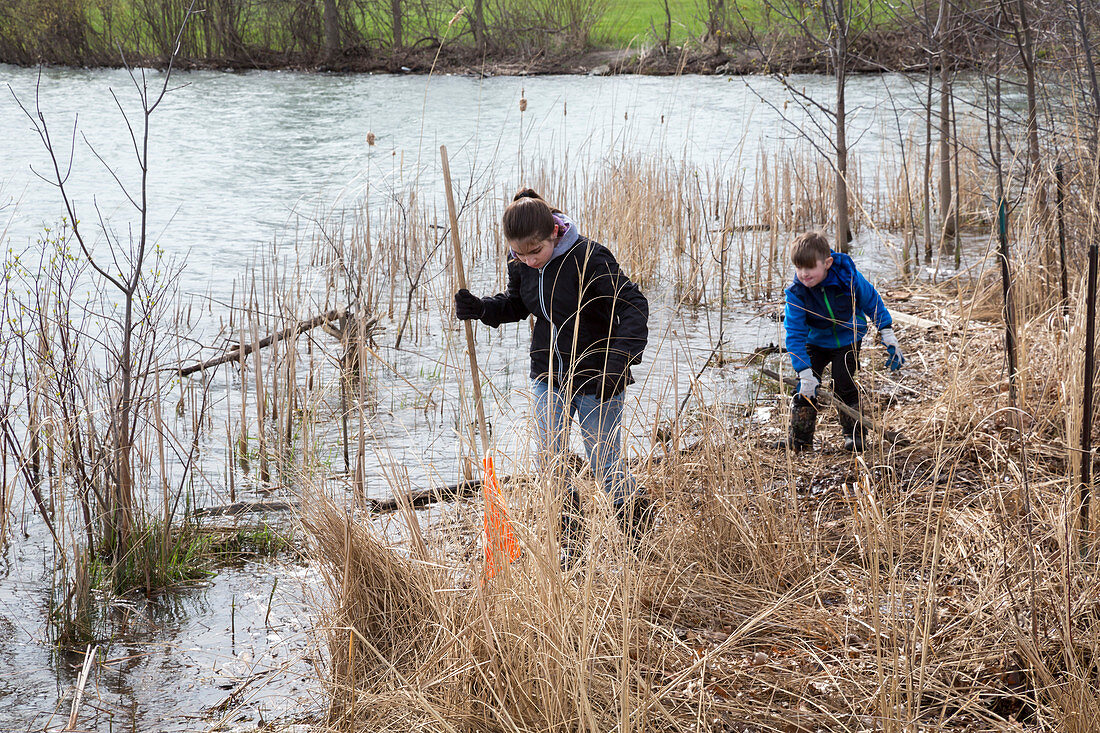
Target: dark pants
{"type": "Point", "coordinates": [844, 362]}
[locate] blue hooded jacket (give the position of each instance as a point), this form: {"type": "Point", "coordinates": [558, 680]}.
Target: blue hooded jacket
{"type": "Point", "coordinates": [832, 314]}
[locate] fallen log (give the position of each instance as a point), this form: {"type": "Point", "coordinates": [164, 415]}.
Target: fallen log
{"type": "Point", "coordinates": [418, 498]}
{"type": "Point", "coordinates": [238, 508]}
{"type": "Point", "coordinates": [236, 353]}
{"type": "Point", "coordinates": [916, 321]}
{"type": "Point", "coordinates": [828, 398]}
{"type": "Point", "coordinates": [423, 497]}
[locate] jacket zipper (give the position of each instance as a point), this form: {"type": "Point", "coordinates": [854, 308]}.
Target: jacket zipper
{"type": "Point", "coordinates": [553, 328]}
{"type": "Point", "coordinates": [832, 317]}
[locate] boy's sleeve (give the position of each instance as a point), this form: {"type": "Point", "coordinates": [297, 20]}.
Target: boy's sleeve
{"type": "Point", "coordinates": [794, 321]}
{"type": "Point", "coordinates": [870, 302]}
{"type": "Point", "coordinates": [506, 307]}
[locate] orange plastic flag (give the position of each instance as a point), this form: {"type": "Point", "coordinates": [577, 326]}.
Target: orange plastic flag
{"type": "Point", "coordinates": [500, 542]}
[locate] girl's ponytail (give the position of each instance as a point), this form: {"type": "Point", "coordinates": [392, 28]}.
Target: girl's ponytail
{"type": "Point", "coordinates": [527, 193]}
{"type": "Point", "coordinates": [528, 218]}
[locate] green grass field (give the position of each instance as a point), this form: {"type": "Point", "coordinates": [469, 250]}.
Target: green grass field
{"type": "Point", "coordinates": [631, 23]}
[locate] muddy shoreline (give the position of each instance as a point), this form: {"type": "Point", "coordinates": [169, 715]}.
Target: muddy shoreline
{"type": "Point", "coordinates": [873, 52]}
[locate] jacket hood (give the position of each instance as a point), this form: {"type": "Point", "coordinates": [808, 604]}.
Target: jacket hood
{"type": "Point", "coordinates": [568, 238]}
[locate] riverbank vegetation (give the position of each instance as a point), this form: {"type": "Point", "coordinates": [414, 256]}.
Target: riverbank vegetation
{"type": "Point", "coordinates": [486, 36]}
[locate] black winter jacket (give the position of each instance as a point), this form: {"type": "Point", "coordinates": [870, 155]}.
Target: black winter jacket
{"type": "Point", "coordinates": [590, 319]}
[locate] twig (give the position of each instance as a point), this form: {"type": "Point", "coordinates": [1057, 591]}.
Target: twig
{"type": "Point", "coordinates": [698, 375]}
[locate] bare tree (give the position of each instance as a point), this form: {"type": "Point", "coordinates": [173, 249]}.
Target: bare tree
{"type": "Point", "coordinates": [831, 32]}
{"type": "Point", "coordinates": [837, 18]}
{"type": "Point", "coordinates": [716, 21]}
{"type": "Point", "coordinates": [1022, 34]}
{"type": "Point", "coordinates": [125, 273]}
{"type": "Point", "coordinates": [947, 207]}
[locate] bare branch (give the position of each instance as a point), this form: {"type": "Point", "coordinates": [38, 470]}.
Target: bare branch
{"type": "Point", "coordinates": [110, 170]}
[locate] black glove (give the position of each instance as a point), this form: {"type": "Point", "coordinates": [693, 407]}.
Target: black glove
{"type": "Point", "coordinates": [613, 382]}
{"type": "Point", "coordinates": [468, 306]}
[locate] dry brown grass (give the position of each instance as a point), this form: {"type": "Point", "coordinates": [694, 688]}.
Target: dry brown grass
{"type": "Point", "coordinates": [937, 586]}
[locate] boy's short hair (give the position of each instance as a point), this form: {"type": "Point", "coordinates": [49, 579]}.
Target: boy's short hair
{"type": "Point", "coordinates": [810, 248]}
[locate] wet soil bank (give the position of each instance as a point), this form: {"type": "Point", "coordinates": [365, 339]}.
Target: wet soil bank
{"type": "Point", "coordinates": [873, 51]}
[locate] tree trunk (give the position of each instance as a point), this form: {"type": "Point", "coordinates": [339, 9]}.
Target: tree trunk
{"type": "Point", "coordinates": [478, 25]}
{"type": "Point", "coordinates": [843, 230]}
{"type": "Point", "coordinates": [716, 23]}
{"type": "Point", "coordinates": [926, 193]}
{"type": "Point", "coordinates": [668, 27]}
{"type": "Point", "coordinates": [332, 31]}
{"type": "Point", "coordinates": [1028, 57]}
{"type": "Point", "coordinates": [947, 204]}
{"type": "Point", "coordinates": [397, 14]}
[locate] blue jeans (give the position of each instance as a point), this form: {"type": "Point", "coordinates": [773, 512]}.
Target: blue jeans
{"type": "Point", "coordinates": [600, 430]}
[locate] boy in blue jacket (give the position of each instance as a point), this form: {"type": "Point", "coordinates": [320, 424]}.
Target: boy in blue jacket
{"type": "Point", "coordinates": [827, 309]}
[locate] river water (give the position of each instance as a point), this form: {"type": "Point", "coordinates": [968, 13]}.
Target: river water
{"type": "Point", "coordinates": [243, 164]}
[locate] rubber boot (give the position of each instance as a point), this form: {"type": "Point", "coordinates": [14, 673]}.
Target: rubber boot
{"type": "Point", "coordinates": [571, 535]}
{"type": "Point", "coordinates": [803, 421]}
{"type": "Point", "coordinates": [635, 517]}
{"type": "Point", "coordinates": [853, 431]}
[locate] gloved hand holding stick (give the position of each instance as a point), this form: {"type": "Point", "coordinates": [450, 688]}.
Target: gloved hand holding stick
{"type": "Point", "coordinates": [825, 397]}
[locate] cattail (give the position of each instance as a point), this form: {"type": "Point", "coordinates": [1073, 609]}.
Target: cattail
{"type": "Point", "coordinates": [370, 139]}
{"type": "Point", "coordinates": [522, 101]}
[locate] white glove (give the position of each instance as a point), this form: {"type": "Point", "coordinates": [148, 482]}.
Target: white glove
{"type": "Point", "coordinates": [888, 338]}
{"type": "Point", "coordinates": [808, 384]}
{"type": "Point", "coordinates": [894, 358]}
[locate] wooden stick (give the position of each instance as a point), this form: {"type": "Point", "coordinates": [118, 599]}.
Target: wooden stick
{"type": "Point", "coordinates": [828, 398]}
{"type": "Point", "coordinates": [1086, 397]}
{"type": "Point", "coordinates": [78, 695]}
{"type": "Point", "coordinates": [460, 275]}
{"type": "Point", "coordinates": [246, 349]}
{"type": "Point", "coordinates": [907, 320]}
{"type": "Point", "coordinates": [1060, 204]}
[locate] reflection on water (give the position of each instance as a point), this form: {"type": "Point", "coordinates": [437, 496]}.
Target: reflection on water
{"type": "Point", "coordinates": [180, 662]}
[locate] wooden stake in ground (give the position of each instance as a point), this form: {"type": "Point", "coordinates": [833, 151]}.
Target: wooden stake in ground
{"type": "Point", "coordinates": [1086, 401]}
{"type": "Point", "coordinates": [500, 543]}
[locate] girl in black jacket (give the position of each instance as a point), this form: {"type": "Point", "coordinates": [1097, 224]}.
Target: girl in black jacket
{"type": "Point", "coordinates": [590, 327]}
